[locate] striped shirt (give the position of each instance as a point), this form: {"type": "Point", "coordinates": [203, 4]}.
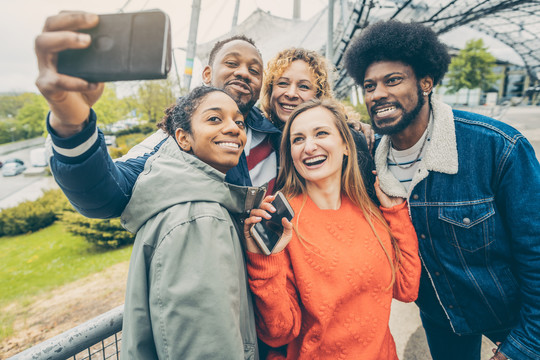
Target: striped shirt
{"type": "Point", "coordinates": [261, 160]}
{"type": "Point", "coordinates": [405, 158]}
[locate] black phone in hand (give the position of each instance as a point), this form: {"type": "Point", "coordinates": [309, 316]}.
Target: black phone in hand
{"type": "Point", "coordinates": [125, 46]}
{"type": "Point", "coordinates": [267, 233]}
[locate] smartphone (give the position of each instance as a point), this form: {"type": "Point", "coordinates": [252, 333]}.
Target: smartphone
{"type": "Point", "coordinates": [125, 46]}
{"type": "Point", "coordinates": [267, 232]}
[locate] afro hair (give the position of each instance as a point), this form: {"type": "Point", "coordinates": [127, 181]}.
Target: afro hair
{"type": "Point", "coordinates": [410, 43]}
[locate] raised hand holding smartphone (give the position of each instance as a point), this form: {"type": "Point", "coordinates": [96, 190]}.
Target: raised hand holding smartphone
{"type": "Point", "coordinates": [125, 46]}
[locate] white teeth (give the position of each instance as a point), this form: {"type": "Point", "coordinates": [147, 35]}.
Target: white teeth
{"type": "Point", "coordinates": [229, 145]}
{"type": "Point", "coordinates": [288, 107]}
{"type": "Point", "coordinates": [315, 160]}
{"type": "Point", "coordinates": [385, 110]}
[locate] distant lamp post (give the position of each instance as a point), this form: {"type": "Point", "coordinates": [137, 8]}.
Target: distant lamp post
{"type": "Point", "coordinates": [176, 68]}
{"type": "Point", "coordinates": [192, 41]}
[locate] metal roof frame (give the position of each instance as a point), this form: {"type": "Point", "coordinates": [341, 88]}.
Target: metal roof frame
{"type": "Point", "coordinates": [515, 23]}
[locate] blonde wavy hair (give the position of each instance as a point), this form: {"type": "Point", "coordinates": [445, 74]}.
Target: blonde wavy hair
{"type": "Point", "coordinates": [292, 184]}
{"type": "Point", "coordinates": [276, 66]}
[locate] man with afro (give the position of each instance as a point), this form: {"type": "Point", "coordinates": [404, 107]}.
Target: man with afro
{"type": "Point", "coordinates": [472, 184]}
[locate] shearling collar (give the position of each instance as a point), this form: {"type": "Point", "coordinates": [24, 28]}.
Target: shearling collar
{"type": "Point", "coordinates": [441, 152]}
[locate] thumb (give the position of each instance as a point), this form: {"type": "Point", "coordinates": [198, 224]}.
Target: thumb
{"type": "Point", "coordinates": [286, 236]}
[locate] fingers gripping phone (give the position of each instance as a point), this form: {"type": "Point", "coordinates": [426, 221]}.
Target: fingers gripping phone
{"type": "Point", "coordinates": [267, 233]}
{"type": "Point", "coordinates": [125, 46]}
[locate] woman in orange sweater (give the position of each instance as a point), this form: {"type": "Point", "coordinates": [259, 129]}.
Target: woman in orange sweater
{"type": "Point", "coordinates": [328, 294]}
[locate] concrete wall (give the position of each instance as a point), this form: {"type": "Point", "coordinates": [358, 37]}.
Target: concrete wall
{"type": "Point", "coordinates": [19, 145]}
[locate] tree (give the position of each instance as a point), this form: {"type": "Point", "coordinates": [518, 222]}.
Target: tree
{"type": "Point", "coordinates": [109, 109]}
{"type": "Point", "coordinates": [31, 117]}
{"type": "Point", "coordinates": [472, 68]}
{"type": "Point", "coordinates": [152, 98]}
{"type": "Point", "coordinates": [24, 116]}
{"type": "Point", "coordinates": [11, 103]}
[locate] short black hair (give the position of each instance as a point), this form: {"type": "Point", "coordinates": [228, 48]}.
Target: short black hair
{"type": "Point", "coordinates": [413, 44]}
{"type": "Point", "coordinates": [179, 115]}
{"type": "Point", "coordinates": [219, 45]}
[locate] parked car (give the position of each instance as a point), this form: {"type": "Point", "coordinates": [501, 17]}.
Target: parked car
{"type": "Point", "coordinates": [13, 167]}
{"type": "Point", "coordinates": [38, 157]}
{"type": "Point", "coordinates": [110, 140]}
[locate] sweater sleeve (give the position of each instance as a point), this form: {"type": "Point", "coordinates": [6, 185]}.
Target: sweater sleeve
{"type": "Point", "coordinates": [408, 268]}
{"type": "Point", "coordinates": [278, 312]}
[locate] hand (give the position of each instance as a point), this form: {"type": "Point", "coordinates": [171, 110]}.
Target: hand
{"type": "Point", "coordinates": [385, 200]}
{"type": "Point", "coordinates": [256, 216]}
{"type": "Point", "coordinates": [69, 98]}
{"type": "Point", "coordinates": [369, 134]}
{"type": "Point", "coordinates": [498, 355]}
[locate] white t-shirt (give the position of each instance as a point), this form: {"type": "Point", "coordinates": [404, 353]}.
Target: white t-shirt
{"type": "Point", "coordinates": [408, 159]}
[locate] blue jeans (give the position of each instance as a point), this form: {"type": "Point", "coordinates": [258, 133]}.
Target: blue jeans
{"type": "Point", "coordinates": [444, 344]}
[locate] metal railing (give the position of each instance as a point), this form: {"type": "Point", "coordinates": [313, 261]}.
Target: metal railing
{"type": "Point", "coordinates": [98, 338]}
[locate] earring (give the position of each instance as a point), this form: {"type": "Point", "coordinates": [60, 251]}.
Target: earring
{"type": "Point", "coordinates": [425, 93]}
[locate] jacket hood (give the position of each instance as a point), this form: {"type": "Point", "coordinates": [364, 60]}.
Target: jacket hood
{"type": "Point", "coordinates": [172, 176]}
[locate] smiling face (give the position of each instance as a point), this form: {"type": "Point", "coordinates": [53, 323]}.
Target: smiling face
{"type": "Point", "coordinates": [296, 85]}
{"type": "Point", "coordinates": [217, 132]}
{"type": "Point", "coordinates": [317, 147]}
{"type": "Point", "coordinates": [393, 96]}
{"type": "Point", "coordinates": [237, 69]}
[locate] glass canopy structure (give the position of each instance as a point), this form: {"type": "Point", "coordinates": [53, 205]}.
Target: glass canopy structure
{"type": "Point", "coordinates": [515, 23]}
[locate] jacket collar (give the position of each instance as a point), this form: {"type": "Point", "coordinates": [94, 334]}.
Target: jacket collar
{"type": "Point", "coordinates": [172, 176]}
{"type": "Point", "coordinates": [441, 152]}
{"type": "Point", "coordinates": [257, 121]}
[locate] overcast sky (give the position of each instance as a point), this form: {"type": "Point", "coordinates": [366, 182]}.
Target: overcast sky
{"type": "Point", "coordinates": [22, 20]}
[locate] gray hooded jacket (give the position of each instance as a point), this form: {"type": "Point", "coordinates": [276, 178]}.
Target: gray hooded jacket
{"type": "Point", "coordinates": [187, 294]}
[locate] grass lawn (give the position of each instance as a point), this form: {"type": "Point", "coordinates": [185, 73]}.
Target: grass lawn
{"type": "Point", "coordinates": [40, 261]}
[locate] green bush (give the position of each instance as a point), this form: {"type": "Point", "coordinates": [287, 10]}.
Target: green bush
{"type": "Point", "coordinates": [125, 143]}
{"type": "Point", "coordinates": [118, 152]}
{"type": "Point", "coordinates": [30, 216]}
{"type": "Point", "coordinates": [145, 128]}
{"type": "Point", "coordinates": [107, 233]}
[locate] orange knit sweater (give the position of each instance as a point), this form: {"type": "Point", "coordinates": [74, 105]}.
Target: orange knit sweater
{"type": "Point", "coordinates": [327, 295]}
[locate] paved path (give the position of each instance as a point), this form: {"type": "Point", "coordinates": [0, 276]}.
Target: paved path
{"type": "Point", "coordinates": [30, 192]}
{"type": "Point", "coordinates": [527, 120]}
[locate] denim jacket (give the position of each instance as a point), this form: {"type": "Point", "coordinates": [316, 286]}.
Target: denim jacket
{"type": "Point", "coordinates": [474, 204]}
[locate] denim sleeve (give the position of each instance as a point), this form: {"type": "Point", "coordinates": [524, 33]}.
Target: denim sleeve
{"type": "Point", "coordinates": [96, 186]}
{"type": "Point", "coordinates": [519, 195]}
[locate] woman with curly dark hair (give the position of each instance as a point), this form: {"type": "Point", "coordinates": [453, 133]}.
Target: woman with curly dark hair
{"type": "Point", "coordinates": [187, 295]}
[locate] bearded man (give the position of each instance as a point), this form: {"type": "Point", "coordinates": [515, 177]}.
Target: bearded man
{"type": "Point", "coordinates": [472, 184]}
